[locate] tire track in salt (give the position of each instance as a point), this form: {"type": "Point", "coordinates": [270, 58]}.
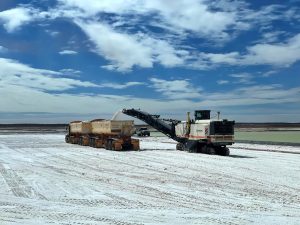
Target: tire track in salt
{"type": "Point", "coordinates": [17, 184]}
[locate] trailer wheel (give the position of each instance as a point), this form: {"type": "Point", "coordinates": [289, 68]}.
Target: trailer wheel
{"type": "Point", "coordinates": [91, 142]}
{"type": "Point", "coordinates": [113, 147]}
{"type": "Point", "coordinates": [108, 145]}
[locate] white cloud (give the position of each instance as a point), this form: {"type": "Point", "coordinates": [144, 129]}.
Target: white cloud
{"type": "Point", "coordinates": [68, 52]}
{"type": "Point", "coordinates": [209, 19]}
{"type": "Point", "coordinates": [254, 95]}
{"type": "Point", "coordinates": [13, 73]}
{"type": "Point", "coordinates": [92, 7]}
{"type": "Point", "coordinates": [27, 89]}
{"type": "Point", "coordinates": [277, 54]}
{"type": "Point", "coordinates": [190, 15]}
{"type": "Point", "coordinates": [52, 33]}
{"type": "Point", "coordinates": [70, 72]}
{"type": "Point", "coordinates": [228, 58]}
{"type": "Point", "coordinates": [176, 89]}
{"type": "Point", "coordinates": [125, 48]}
{"type": "Point", "coordinates": [14, 18]}
{"type": "Point", "coordinates": [26, 99]}
{"type": "Point", "coordinates": [269, 13]}
{"type": "Point", "coordinates": [120, 85]}
{"type": "Point", "coordinates": [125, 51]}
{"type": "Point", "coordinates": [269, 73]}
{"type": "Point", "coordinates": [242, 78]}
{"type": "Point", "coordinates": [221, 82]}
{"type": "Point", "coordinates": [273, 36]}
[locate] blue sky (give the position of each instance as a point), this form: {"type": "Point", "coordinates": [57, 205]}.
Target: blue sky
{"type": "Point", "coordinates": [71, 59]}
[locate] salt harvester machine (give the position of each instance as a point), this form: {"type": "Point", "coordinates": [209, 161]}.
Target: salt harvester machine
{"type": "Point", "coordinates": [202, 134]}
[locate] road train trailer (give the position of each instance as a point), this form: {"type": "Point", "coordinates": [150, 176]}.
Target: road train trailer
{"type": "Point", "coordinates": [108, 134]}
{"type": "Point", "coordinates": [203, 134]}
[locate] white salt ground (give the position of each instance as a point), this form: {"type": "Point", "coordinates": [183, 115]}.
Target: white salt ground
{"type": "Point", "coordinates": [46, 181]}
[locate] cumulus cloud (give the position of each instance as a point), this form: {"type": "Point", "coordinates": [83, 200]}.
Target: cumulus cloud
{"type": "Point", "coordinates": [221, 82]}
{"type": "Point", "coordinates": [176, 89]}
{"type": "Point", "coordinates": [15, 74]}
{"type": "Point", "coordinates": [125, 48]}
{"type": "Point", "coordinates": [254, 95]}
{"type": "Point", "coordinates": [68, 52]}
{"type": "Point", "coordinates": [269, 13]}
{"type": "Point", "coordinates": [271, 37]}
{"type": "Point", "coordinates": [242, 78]}
{"type": "Point", "coordinates": [70, 72]}
{"type": "Point", "coordinates": [269, 73]}
{"type": "Point", "coordinates": [125, 51]}
{"type": "Point", "coordinates": [26, 99]}
{"type": "Point", "coordinates": [121, 85]}
{"type": "Point", "coordinates": [280, 54]}
{"type": "Point", "coordinates": [14, 18]}
{"type": "Point", "coordinates": [190, 15]}
{"type": "Point", "coordinates": [27, 89]}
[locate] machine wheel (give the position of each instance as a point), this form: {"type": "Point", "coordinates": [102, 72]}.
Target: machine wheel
{"type": "Point", "coordinates": [67, 139]}
{"type": "Point", "coordinates": [179, 146]}
{"type": "Point", "coordinates": [207, 150]}
{"type": "Point", "coordinates": [225, 151]}
{"type": "Point", "coordinates": [211, 150]}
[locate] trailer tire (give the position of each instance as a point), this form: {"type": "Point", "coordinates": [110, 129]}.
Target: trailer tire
{"type": "Point", "coordinates": [108, 145]}
{"type": "Point", "coordinates": [91, 142]}
{"type": "Point", "coordinates": [113, 146]}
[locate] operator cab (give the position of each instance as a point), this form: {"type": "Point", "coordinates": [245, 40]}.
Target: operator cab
{"type": "Point", "coordinates": [202, 114]}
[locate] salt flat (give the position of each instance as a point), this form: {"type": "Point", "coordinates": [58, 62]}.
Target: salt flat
{"type": "Point", "coordinates": [46, 181]}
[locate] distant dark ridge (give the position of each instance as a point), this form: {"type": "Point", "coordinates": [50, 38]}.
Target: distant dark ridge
{"type": "Point", "coordinates": [32, 125]}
